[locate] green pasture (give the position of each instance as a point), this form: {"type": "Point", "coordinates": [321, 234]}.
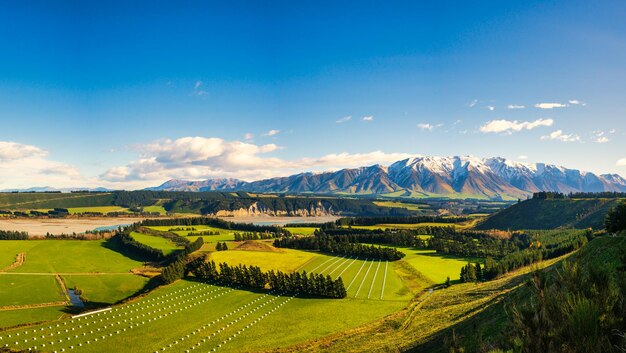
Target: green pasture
{"type": "Point", "coordinates": [66, 256]}
{"type": "Point", "coordinates": [106, 289]}
{"type": "Point", "coordinates": [187, 314]}
{"type": "Point", "coordinates": [286, 260]}
{"type": "Point", "coordinates": [11, 318]}
{"type": "Point", "coordinates": [100, 209]}
{"type": "Point", "coordinates": [166, 245]}
{"type": "Point", "coordinates": [29, 289]}
{"type": "Point", "coordinates": [301, 230]}
{"type": "Point", "coordinates": [155, 209]}
{"type": "Point", "coordinates": [434, 266]}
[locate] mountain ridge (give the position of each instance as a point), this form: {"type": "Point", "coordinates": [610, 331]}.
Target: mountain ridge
{"type": "Point", "coordinates": [424, 176]}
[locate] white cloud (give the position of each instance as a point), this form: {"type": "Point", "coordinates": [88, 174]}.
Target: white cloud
{"type": "Point", "coordinates": [491, 108]}
{"type": "Point", "coordinates": [368, 118]}
{"type": "Point", "coordinates": [248, 136]}
{"type": "Point", "coordinates": [599, 136]}
{"type": "Point", "coordinates": [558, 135]}
{"type": "Point", "coordinates": [473, 103]}
{"type": "Point", "coordinates": [601, 139]}
{"type": "Point", "coordinates": [204, 157]}
{"type": "Point", "coordinates": [344, 119]}
{"type": "Point", "coordinates": [523, 157]}
{"type": "Point", "coordinates": [576, 102]}
{"type": "Point", "coordinates": [272, 133]}
{"type": "Point", "coordinates": [12, 151]}
{"type": "Point", "coordinates": [550, 105]}
{"type": "Point", "coordinates": [197, 89]}
{"type": "Point", "coordinates": [23, 166]}
{"type": "Point", "coordinates": [507, 126]}
{"type": "Point", "coordinates": [515, 106]}
{"type": "Point", "coordinates": [428, 126]}
{"type": "Point", "coordinates": [621, 162]}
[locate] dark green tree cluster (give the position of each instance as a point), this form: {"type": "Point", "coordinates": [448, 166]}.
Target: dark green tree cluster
{"type": "Point", "coordinates": [616, 218]}
{"type": "Point", "coordinates": [255, 236]}
{"type": "Point", "coordinates": [397, 237]}
{"type": "Point", "coordinates": [254, 277]}
{"type": "Point", "coordinates": [174, 271]}
{"type": "Point", "coordinates": [13, 235]}
{"type": "Point", "coordinates": [372, 221]}
{"type": "Point", "coordinates": [203, 232]}
{"type": "Point", "coordinates": [471, 273]}
{"type": "Point", "coordinates": [478, 244]}
{"type": "Point", "coordinates": [337, 246]}
{"type": "Point", "coordinates": [221, 246]}
{"type": "Point", "coordinates": [548, 195]}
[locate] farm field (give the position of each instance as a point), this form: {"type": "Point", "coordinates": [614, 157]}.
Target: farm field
{"type": "Point", "coordinates": [166, 245]}
{"type": "Point", "coordinates": [287, 260]}
{"type": "Point", "coordinates": [396, 204]}
{"type": "Point", "coordinates": [106, 289]}
{"type": "Point", "coordinates": [66, 256]}
{"type": "Point", "coordinates": [155, 209]}
{"type": "Point", "coordinates": [187, 314]}
{"type": "Point", "coordinates": [301, 230]}
{"type": "Point", "coordinates": [434, 266]}
{"type": "Point", "coordinates": [11, 318]}
{"type": "Point", "coordinates": [100, 209]}
{"type": "Point", "coordinates": [224, 234]}
{"type": "Point", "coordinates": [461, 225]}
{"type": "Point", "coordinates": [16, 290]}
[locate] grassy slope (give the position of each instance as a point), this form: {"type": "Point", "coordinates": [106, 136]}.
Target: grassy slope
{"type": "Point", "coordinates": [52, 200]}
{"type": "Point", "coordinates": [106, 289]}
{"type": "Point", "coordinates": [550, 214]}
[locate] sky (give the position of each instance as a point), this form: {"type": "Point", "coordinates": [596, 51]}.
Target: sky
{"type": "Point", "coordinates": [129, 94]}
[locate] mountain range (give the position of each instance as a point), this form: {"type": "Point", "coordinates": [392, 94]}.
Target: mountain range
{"type": "Point", "coordinates": [457, 176]}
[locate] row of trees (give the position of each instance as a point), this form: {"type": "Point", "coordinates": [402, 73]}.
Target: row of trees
{"type": "Point", "coordinates": [13, 235]}
{"type": "Point", "coordinates": [212, 222]}
{"type": "Point", "coordinates": [371, 221]}
{"type": "Point", "coordinates": [255, 236]}
{"type": "Point", "coordinates": [339, 246]}
{"type": "Point", "coordinates": [254, 277]}
{"type": "Point", "coordinates": [221, 246]}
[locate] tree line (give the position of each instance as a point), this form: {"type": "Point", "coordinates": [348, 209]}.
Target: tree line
{"type": "Point", "coordinates": [253, 277]}
{"type": "Point", "coordinates": [212, 222]}
{"type": "Point", "coordinates": [371, 221]}
{"type": "Point", "coordinates": [13, 235]}
{"type": "Point", "coordinates": [339, 246]}
{"type": "Point", "coordinates": [255, 236]}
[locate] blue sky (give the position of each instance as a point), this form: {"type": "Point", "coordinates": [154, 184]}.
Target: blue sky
{"type": "Point", "coordinates": [129, 95]}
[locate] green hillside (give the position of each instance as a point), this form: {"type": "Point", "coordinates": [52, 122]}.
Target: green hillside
{"type": "Point", "coordinates": [551, 214]}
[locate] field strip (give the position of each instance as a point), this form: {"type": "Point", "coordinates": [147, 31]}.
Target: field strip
{"type": "Point", "coordinates": [19, 261]}
{"type": "Point", "coordinates": [278, 306]}
{"type": "Point", "coordinates": [322, 264]}
{"type": "Point", "coordinates": [369, 294]}
{"type": "Point", "coordinates": [357, 275]}
{"type": "Point", "coordinates": [340, 265]}
{"type": "Point", "coordinates": [67, 273]}
{"type": "Point", "coordinates": [31, 306]}
{"type": "Point", "coordinates": [134, 322]}
{"type": "Point", "coordinates": [305, 263]}
{"type": "Point", "coordinates": [45, 200]}
{"type": "Point", "coordinates": [332, 264]}
{"type": "Point", "coordinates": [344, 270]}
{"type": "Point", "coordinates": [127, 310]}
{"type": "Point", "coordinates": [364, 277]}
{"type": "Point", "coordinates": [215, 321]}
{"type": "Point", "coordinates": [382, 290]}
